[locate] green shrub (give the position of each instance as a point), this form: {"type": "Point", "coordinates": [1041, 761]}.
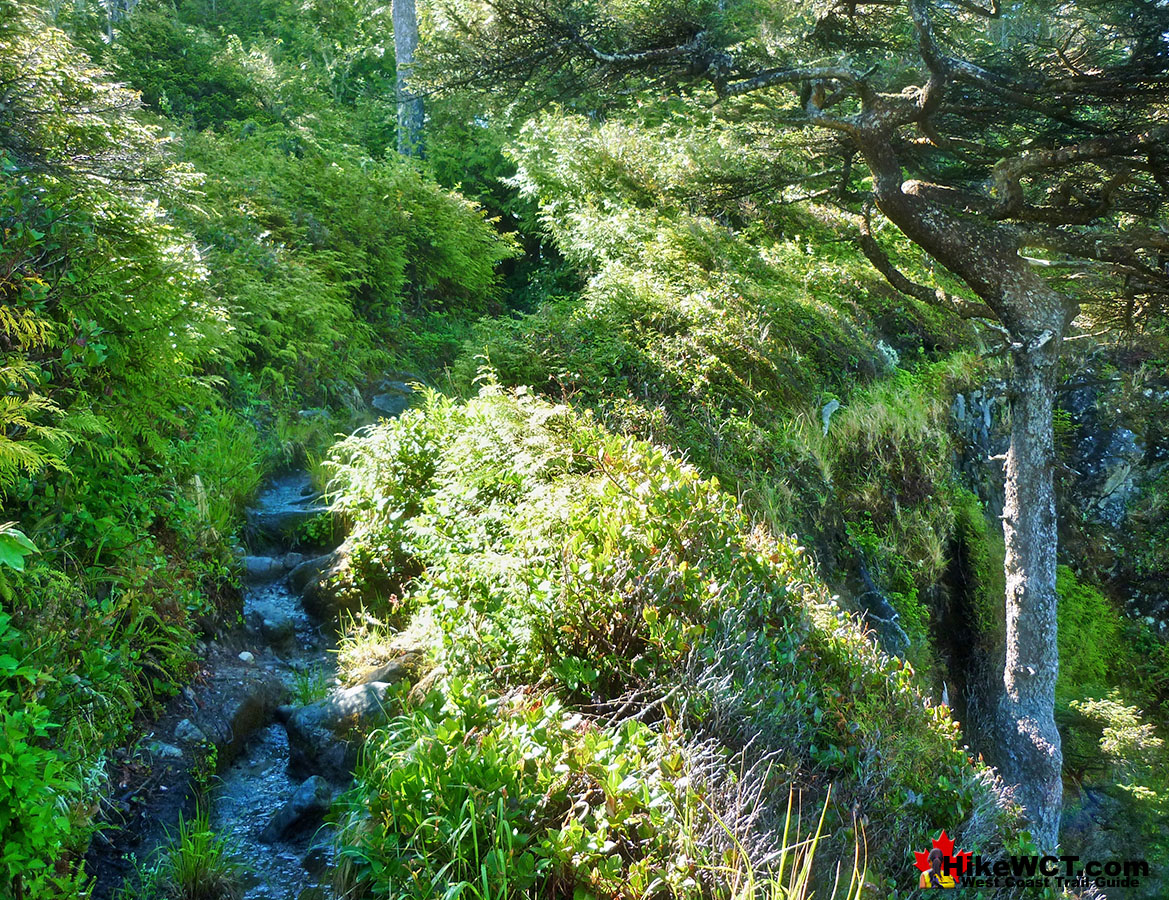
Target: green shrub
{"type": "Point", "coordinates": [321, 252]}
{"type": "Point", "coordinates": [559, 561]}
{"type": "Point", "coordinates": [1092, 648]}
{"type": "Point", "coordinates": [1121, 753]}
{"type": "Point", "coordinates": [707, 328]}
{"type": "Point", "coordinates": [37, 791]}
{"type": "Point", "coordinates": [482, 796]}
{"type": "Point", "coordinates": [180, 71]}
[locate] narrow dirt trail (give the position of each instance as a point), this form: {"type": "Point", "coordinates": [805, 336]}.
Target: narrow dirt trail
{"type": "Point", "coordinates": [221, 744]}
{"type": "Point", "coordinates": [246, 796]}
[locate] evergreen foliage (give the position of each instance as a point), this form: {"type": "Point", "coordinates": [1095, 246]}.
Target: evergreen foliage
{"type": "Point", "coordinates": [170, 300]}
{"type": "Point", "coordinates": [698, 432]}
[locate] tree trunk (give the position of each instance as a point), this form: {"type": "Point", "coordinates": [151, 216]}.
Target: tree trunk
{"type": "Point", "coordinates": [1037, 317]}
{"type": "Point", "coordinates": [410, 109]}
{"type": "Point", "coordinates": [1030, 745]}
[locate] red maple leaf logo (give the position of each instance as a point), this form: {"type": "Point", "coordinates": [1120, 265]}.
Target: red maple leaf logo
{"type": "Point", "coordinates": [949, 857]}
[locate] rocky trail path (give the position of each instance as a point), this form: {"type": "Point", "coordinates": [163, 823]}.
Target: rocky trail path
{"type": "Point", "coordinates": [269, 816]}
{"type": "Point", "coordinates": [265, 737]}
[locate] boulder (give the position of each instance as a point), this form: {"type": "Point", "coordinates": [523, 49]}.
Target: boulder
{"type": "Point", "coordinates": [392, 405]}
{"type": "Point", "coordinates": [340, 582]}
{"type": "Point", "coordinates": [269, 568]}
{"type": "Point", "coordinates": [308, 571]}
{"type": "Point", "coordinates": [189, 733]}
{"type": "Point", "coordinates": [425, 687]}
{"type": "Point", "coordinates": [394, 397]}
{"type": "Point", "coordinates": [324, 737]}
{"type": "Point", "coordinates": [319, 583]}
{"type": "Point", "coordinates": [275, 626]}
{"type": "Point", "coordinates": [309, 803]}
{"type": "Point", "coordinates": [242, 707]}
{"type": "Point", "coordinates": [405, 665]}
{"type": "Point", "coordinates": [261, 568]}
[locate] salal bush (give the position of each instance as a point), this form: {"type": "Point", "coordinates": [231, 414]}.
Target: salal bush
{"type": "Point", "coordinates": [587, 592]}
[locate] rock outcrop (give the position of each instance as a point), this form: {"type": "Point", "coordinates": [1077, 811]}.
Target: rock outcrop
{"type": "Point", "coordinates": [324, 737]}
{"type": "Point", "coordinates": [291, 503]}
{"type": "Point", "coordinates": [349, 578]}
{"type": "Point", "coordinates": [308, 804]}
{"type": "Point", "coordinates": [395, 394]}
{"type": "Point", "coordinates": [267, 568]}
{"type": "Point", "coordinates": [240, 708]}
{"type": "Point", "coordinates": [1112, 453]}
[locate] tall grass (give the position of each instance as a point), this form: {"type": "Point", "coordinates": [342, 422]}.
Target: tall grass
{"type": "Point", "coordinates": [310, 685]}
{"type": "Point", "coordinates": [790, 872]}
{"type": "Point", "coordinates": [197, 865]}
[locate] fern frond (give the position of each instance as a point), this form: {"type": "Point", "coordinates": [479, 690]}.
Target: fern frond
{"type": "Point", "coordinates": [24, 328]}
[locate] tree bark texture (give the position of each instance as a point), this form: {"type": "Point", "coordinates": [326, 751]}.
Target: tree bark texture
{"type": "Point", "coordinates": [410, 108]}
{"type": "Point", "coordinates": [1031, 755]}
{"type": "Point", "coordinates": [1036, 317]}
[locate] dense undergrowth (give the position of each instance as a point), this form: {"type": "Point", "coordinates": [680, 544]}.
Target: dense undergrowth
{"type": "Point", "coordinates": [737, 345]}
{"type": "Point", "coordinates": [634, 676]}
{"type": "Point", "coordinates": [181, 310]}
{"type": "Point", "coordinates": [762, 346]}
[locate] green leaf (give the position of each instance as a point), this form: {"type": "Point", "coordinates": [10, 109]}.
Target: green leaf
{"type": "Point", "coordinates": [19, 538]}
{"type": "Point", "coordinates": [14, 546]}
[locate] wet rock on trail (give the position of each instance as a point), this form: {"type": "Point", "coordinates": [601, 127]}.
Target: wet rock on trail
{"type": "Point", "coordinates": [211, 723]}
{"type": "Point", "coordinates": [267, 769]}
{"type": "Point", "coordinates": [263, 568]}
{"type": "Point", "coordinates": [287, 505]}
{"type": "Point", "coordinates": [309, 570]}
{"type": "Point", "coordinates": [275, 626]}
{"type": "Point", "coordinates": [310, 803]}
{"type": "Point", "coordinates": [324, 737]}
{"type": "Point", "coordinates": [248, 703]}
{"type": "Point", "coordinates": [219, 740]}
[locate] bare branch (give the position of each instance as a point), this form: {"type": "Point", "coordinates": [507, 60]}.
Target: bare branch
{"type": "Point", "coordinates": [967, 309]}
{"type": "Point", "coordinates": [990, 12]}
{"type": "Point", "coordinates": [1008, 173]}
{"type": "Point", "coordinates": [789, 76]}
{"type": "Point", "coordinates": [642, 57]}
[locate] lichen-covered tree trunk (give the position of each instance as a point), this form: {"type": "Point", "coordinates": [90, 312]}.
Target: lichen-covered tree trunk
{"type": "Point", "coordinates": [410, 109]}
{"type": "Point", "coordinates": [1036, 317]}
{"type": "Point", "coordinates": [1030, 746]}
